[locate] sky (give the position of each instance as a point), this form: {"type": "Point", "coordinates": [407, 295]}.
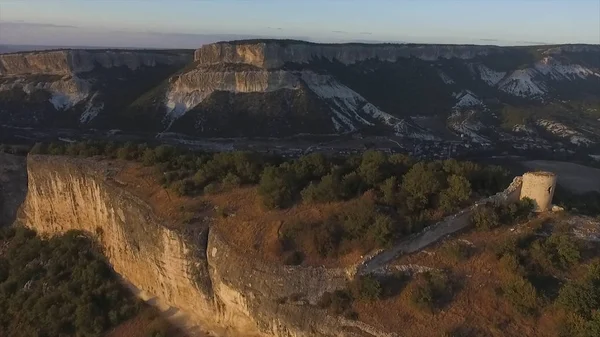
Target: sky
{"type": "Point", "coordinates": [189, 24]}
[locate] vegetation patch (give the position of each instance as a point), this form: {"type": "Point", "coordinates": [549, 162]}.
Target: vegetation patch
{"type": "Point", "coordinates": [59, 286]}
{"type": "Point", "coordinates": [492, 216]}
{"type": "Point", "coordinates": [386, 197]}
{"type": "Point", "coordinates": [431, 290]}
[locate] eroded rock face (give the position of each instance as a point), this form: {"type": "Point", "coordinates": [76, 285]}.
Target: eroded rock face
{"type": "Point", "coordinates": [67, 62]}
{"type": "Point", "coordinates": [275, 54]}
{"type": "Point", "coordinates": [37, 87]}
{"type": "Point", "coordinates": [192, 270]}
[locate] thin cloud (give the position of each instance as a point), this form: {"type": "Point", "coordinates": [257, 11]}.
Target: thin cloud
{"type": "Point", "coordinates": [339, 32]}
{"type": "Point", "coordinates": [532, 42]}
{"type": "Point", "coordinates": [35, 24]}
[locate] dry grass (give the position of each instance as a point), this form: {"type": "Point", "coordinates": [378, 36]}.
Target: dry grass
{"type": "Point", "coordinates": [143, 182]}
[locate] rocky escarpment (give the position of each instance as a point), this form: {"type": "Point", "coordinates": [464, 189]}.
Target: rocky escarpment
{"type": "Point", "coordinates": [475, 95]}
{"type": "Point", "coordinates": [271, 54]}
{"type": "Point", "coordinates": [193, 270]}
{"type": "Point", "coordinates": [70, 62]}
{"type": "Point", "coordinates": [358, 86]}
{"type": "Point", "coordinates": [78, 84]}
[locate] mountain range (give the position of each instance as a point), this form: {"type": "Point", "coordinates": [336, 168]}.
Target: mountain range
{"type": "Point", "coordinates": [281, 88]}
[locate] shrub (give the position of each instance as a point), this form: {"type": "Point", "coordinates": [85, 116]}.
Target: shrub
{"type": "Point", "coordinates": [211, 188]}
{"type": "Point", "coordinates": [357, 220]}
{"type": "Point", "coordinates": [522, 295]}
{"type": "Point", "coordinates": [127, 151]}
{"type": "Point", "coordinates": [184, 187]}
{"type": "Point", "coordinates": [510, 263]}
{"type": "Point", "coordinates": [579, 296]}
{"type": "Point", "coordinates": [592, 328]}
{"type": "Point", "coordinates": [276, 187]}
{"type": "Point", "coordinates": [485, 218]}
{"type": "Point", "coordinates": [149, 157]}
{"type": "Point", "coordinates": [508, 246]}
{"type": "Point", "coordinates": [56, 149]}
{"type": "Point", "coordinates": [163, 153]}
{"type": "Point", "coordinates": [339, 301]}
{"type": "Point", "coordinates": [517, 211]}
{"type": "Point", "coordinates": [382, 230]}
{"type": "Point", "coordinates": [430, 290]}
{"type": "Point", "coordinates": [456, 251]}
{"type": "Point", "coordinates": [327, 190]}
{"type": "Point", "coordinates": [563, 249]}
{"type": "Point", "coordinates": [366, 287]}
{"type": "Point", "coordinates": [231, 180]}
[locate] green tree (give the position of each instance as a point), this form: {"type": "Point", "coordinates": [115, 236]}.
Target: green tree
{"type": "Point", "coordinates": [310, 167]}
{"type": "Point", "coordinates": [149, 157]}
{"type": "Point", "coordinates": [327, 190]}
{"type": "Point", "coordinates": [231, 180]}
{"type": "Point", "coordinates": [420, 184]}
{"type": "Point", "coordinates": [389, 188]}
{"type": "Point", "coordinates": [373, 168]}
{"type": "Point", "coordinates": [458, 192]}
{"type": "Point", "coordinates": [522, 295]}
{"type": "Point", "coordinates": [276, 187]}
{"type": "Point", "coordinates": [485, 218]}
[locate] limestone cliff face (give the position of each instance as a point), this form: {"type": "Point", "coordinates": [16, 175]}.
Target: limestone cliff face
{"type": "Point", "coordinates": [194, 271]}
{"type": "Point", "coordinates": [67, 62]}
{"type": "Point", "coordinates": [64, 195]}
{"type": "Point", "coordinates": [190, 89]}
{"type": "Point", "coordinates": [275, 54]}
{"type": "Point", "coordinates": [85, 82]}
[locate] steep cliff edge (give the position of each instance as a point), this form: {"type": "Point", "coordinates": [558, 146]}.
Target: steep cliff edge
{"type": "Point", "coordinates": [270, 54]}
{"type": "Point", "coordinates": [193, 270]}
{"type": "Point", "coordinates": [69, 62]}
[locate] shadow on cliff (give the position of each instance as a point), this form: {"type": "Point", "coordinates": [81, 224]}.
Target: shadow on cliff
{"type": "Point", "coordinates": [13, 186]}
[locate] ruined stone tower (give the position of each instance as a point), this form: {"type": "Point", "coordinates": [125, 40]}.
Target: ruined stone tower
{"type": "Point", "coordinates": [540, 187]}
